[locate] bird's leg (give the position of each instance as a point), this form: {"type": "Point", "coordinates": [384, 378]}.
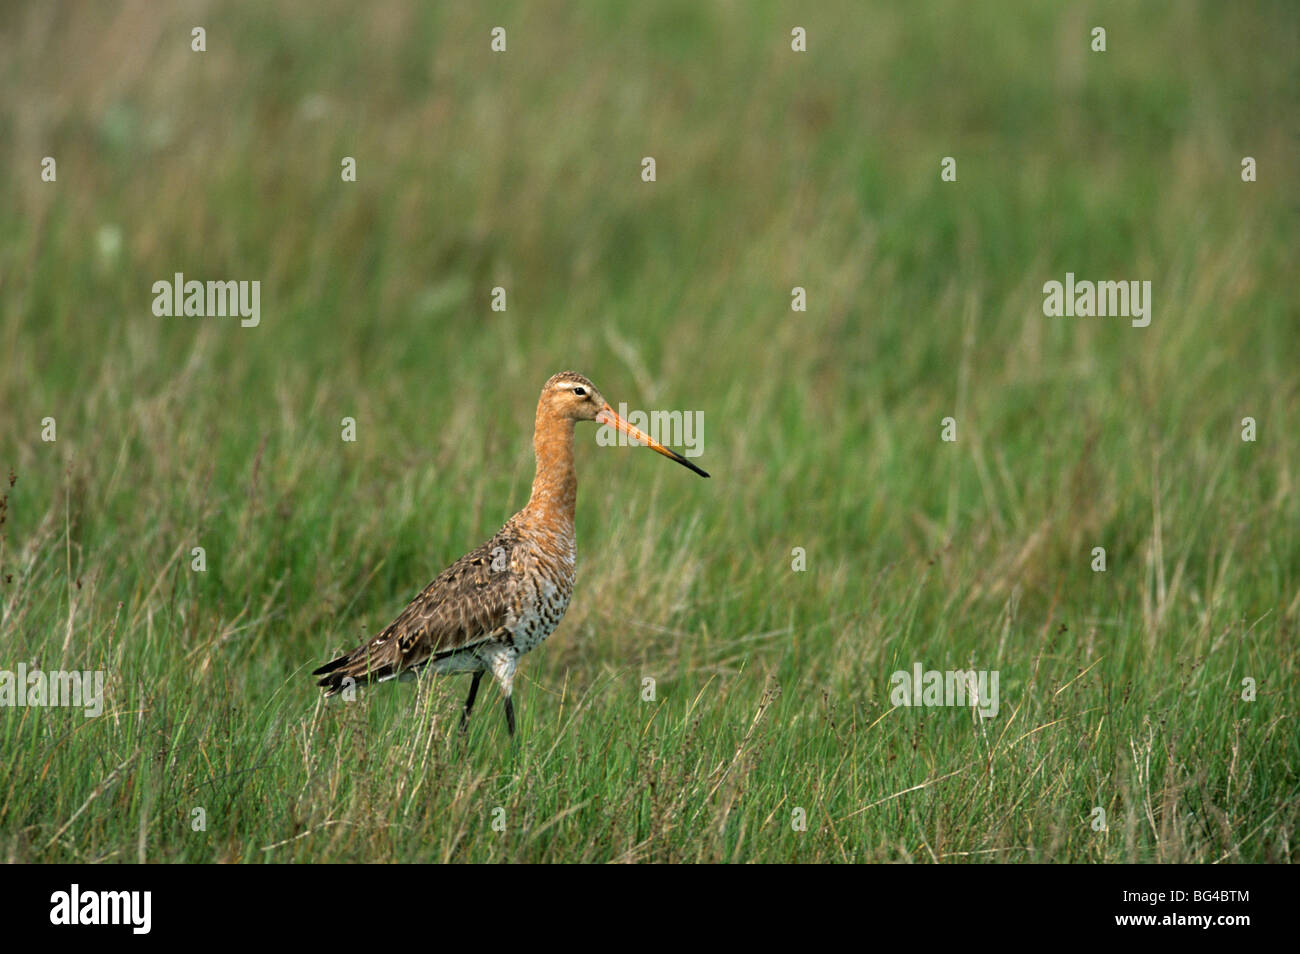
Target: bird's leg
{"type": "Point", "coordinates": [503, 665]}
{"type": "Point", "coordinates": [469, 703]}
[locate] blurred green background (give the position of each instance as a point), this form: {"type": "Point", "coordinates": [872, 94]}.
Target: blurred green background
{"type": "Point", "coordinates": [775, 169]}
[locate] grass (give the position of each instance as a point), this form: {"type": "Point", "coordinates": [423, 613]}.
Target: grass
{"type": "Point", "coordinates": [1120, 690]}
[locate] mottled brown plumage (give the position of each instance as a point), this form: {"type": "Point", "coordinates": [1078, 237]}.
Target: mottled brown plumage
{"type": "Point", "coordinates": [503, 598]}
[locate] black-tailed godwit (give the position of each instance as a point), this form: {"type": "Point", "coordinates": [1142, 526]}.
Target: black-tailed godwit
{"type": "Point", "coordinates": [497, 602]}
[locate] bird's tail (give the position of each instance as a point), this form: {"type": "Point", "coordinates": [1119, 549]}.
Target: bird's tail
{"type": "Point", "coordinates": [376, 661]}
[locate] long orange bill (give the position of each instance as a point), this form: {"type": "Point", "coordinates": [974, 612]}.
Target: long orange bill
{"type": "Point", "coordinates": [608, 416]}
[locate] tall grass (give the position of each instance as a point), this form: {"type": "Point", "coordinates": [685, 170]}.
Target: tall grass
{"type": "Point", "coordinates": [1120, 690]}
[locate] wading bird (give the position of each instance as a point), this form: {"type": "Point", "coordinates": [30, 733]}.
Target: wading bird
{"type": "Point", "coordinates": [497, 602]}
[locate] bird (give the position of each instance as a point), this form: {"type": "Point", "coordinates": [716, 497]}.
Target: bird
{"type": "Point", "coordinates": [502, 599]}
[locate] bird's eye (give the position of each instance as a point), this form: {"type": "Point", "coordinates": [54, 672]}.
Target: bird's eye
{"type": "Point", "coordinates": [581, 392]}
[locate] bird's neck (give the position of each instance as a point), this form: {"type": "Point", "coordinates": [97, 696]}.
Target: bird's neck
{"type": "Point", "coordinates": [555, 488]}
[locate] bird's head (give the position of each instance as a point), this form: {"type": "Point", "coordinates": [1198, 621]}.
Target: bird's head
{"type": "Point", "coordinates": [569, 395]}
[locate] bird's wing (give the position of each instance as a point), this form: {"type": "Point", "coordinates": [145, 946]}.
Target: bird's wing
{"type": "Point", "coordinates": [466, 603]}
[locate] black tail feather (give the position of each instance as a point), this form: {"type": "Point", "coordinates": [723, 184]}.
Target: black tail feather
{"type": "Point", "coordinates": [332, 665]}
{"type": "Point", "coordinates": [363, 665]}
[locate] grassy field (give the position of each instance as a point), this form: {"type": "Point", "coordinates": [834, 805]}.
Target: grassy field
{"type": "Point", "coordinates": [1120, 690]}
